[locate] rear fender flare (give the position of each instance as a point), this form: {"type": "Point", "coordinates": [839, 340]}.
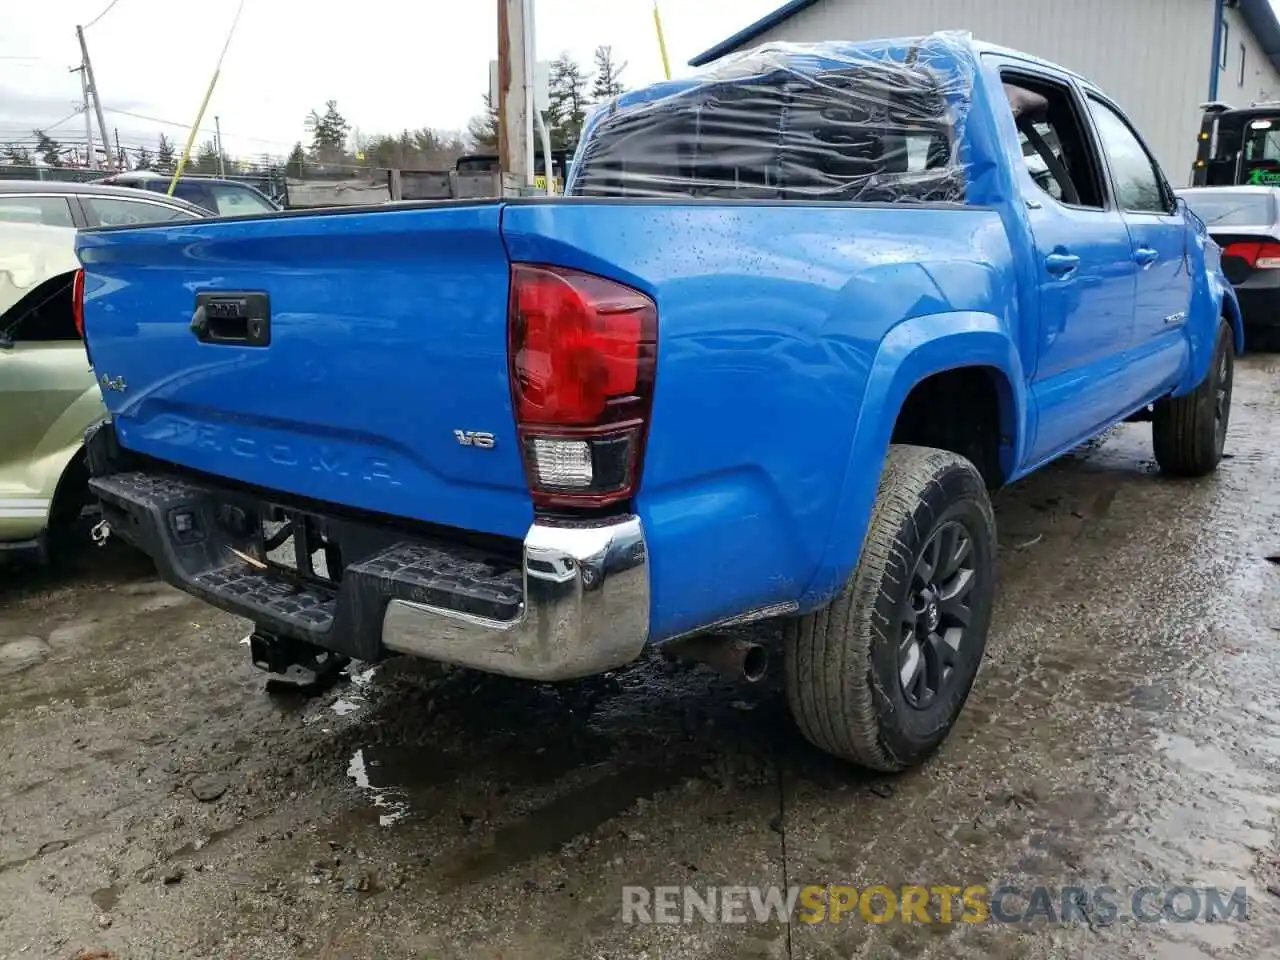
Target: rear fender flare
{"type": "Point", "coordinates": [911, 352]}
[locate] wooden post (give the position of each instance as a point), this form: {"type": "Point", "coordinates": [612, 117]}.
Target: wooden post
{"type": "Point", "coordinates": [514, 84]}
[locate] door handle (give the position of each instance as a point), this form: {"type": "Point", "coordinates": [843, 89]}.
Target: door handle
{"type": "Point", "coordinates": [1145, 256]}
{"type": "Point", "coordinates": [1061, 264]}
{"type": "Point", "coordinates": [242, 319]}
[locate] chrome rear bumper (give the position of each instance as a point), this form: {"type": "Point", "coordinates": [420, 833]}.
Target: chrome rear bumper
{"type": "Point", "coordinates": [585, 609]}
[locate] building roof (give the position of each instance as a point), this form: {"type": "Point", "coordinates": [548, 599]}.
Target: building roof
{"type": "Point", "coordinates": [1261, 18]}
{"type": "Point", "coordinates": [749, 33]}
{"type": "Point", "coordinates": [1258, 14]}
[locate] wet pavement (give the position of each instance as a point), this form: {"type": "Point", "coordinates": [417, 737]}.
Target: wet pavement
{"type": "Point", "coordinates": [1124, 731]}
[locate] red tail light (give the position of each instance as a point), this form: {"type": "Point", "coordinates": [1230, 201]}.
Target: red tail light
{"type": "Point", "coordinates": [582, 353]}
{"type": "Point", "coordinates": [1260, 255]}
{"type": "Point", "coordinates": [77, 301]}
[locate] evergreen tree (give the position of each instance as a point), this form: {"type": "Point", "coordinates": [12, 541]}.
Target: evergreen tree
{"type": "Point", "coordinates": [144, 160]}
{"type": "Point", "coordinates": [608, 82]}
{"type": "Point", "coordinates": [17, 155]}
{"type": "Point", "coordinates": [48, 149]}
{"type": "Point", "coordinates": [329, 131]}
{"type": "Point", "coordinates": [566, 101]}
{"type": "Point", "coordinates": [483, 129]}
{"type": "Point", "coordinates": [165, 159]}
{"type": "Point", "coordinates": [206, 159]}
{"type": "Point", "coordinates": [296, 165]}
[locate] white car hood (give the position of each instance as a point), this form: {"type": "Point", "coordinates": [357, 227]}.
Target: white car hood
{"type": "Point", "coordinates": [30, 254]}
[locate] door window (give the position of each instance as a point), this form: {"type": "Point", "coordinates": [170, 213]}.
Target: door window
{"type": "Point", "coordinates": [231, 200]}
{"type": "Point", "coordinates": [115, 212]}
{"type": "Point", "coordinates": [1058, 156]}
{"type": "Point", "coordinates": [1139, 185]}
{"type": "Point", "coordinates": [195, 192]}
{"type": "Point", "coordinates": [50, 211]}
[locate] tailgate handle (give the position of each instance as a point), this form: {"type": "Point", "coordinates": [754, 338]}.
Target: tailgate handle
{"type": "Point", "coordinates": [242, 319]}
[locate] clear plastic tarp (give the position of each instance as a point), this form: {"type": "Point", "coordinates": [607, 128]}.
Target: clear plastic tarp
{"type": "Point", "coordinates": [878, 121]}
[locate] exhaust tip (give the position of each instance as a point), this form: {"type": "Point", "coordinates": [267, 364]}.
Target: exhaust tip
{"type": "Point", "coordinates": [741, 660]}
{"type": "Point", "coordinates": [755, 663]}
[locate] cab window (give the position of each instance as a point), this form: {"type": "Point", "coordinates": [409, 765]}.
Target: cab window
{"type": "Point", "coordinates": [1139, 185]}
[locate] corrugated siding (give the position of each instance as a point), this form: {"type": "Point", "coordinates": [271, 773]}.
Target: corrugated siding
{"type": "Point", "coordinates": [1151, 56]}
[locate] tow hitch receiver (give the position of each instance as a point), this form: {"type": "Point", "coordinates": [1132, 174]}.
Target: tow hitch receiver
{"type": "Point", "coordinates": [294, 663]}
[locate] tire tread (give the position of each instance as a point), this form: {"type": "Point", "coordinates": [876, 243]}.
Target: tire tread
{"type": "Point", "coordinates": [831, 685]}
{"type": "Point", "coordinates": [1182, 428]}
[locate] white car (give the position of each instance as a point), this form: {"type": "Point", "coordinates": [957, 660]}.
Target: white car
{"type": "Point", "coordinates": [48, 395]}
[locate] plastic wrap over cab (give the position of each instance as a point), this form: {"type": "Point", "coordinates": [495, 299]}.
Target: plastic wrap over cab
{"type": "Point", "coordinates": [880, 121]}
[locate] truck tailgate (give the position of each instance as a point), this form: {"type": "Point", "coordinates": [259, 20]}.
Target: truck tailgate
{"type": "Point", "coordinates": [351, 358]}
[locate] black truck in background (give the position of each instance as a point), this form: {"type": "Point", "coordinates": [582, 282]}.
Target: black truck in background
{"type": "Point", "coordinates": [1237, 146]}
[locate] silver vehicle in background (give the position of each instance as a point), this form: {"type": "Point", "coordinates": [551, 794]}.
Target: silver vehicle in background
{"type": "Point", "coordinates": [1245, 222]}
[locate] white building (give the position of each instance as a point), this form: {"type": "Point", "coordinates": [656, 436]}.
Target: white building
{"type": "Point", "coordinates": [1156, 58]}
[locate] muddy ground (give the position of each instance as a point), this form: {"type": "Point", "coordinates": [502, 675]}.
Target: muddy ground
{"type": "Point", "coordinates": [1125, 730]}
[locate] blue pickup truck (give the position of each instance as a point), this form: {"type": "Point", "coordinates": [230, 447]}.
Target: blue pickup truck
{"type": "Point", "coordinates": [791, 322]}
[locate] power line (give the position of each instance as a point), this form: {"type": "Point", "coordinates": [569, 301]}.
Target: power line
{"type": "Point", "coordinates": [70, 116]}
{"type": "Point", "coordinates": [184, 126]}
{"type": "Point", "coordinates": [101, 15]}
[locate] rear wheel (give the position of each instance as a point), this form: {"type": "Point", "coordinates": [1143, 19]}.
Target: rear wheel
{"type": "Point", "coordinates": [879, 676]}
{"type": "Point", "coordinates": [1190, 432]}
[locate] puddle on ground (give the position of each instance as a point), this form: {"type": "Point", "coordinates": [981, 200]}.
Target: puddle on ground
{"type": "Point", "coordinates": [105, 898]}
{"type": "Point", "coordinates": [384, 798]}
{"type": "Point", "coordinates": [577, 812]}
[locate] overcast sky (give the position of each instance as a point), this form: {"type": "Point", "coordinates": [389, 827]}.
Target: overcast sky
{"type": "Point", "coordinates": [390, 64]}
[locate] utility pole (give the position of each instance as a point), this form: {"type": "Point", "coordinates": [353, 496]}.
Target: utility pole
{"type": "Point", "coordinates": [88, 121]}
{"type": "Point", "coordinates": [515, 95]}
{"type": "Point", "coordinates": [119, 150]}
{"type": "Point", "coordinates": [93, 89]}
{"type": "Point", "coordinates": [217, 136]}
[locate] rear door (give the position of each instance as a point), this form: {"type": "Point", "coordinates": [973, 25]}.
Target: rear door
{"type": "Point", "coordinates": [1157, 233]}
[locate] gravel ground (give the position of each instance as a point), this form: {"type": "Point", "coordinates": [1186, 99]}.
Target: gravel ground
{"type": "Point", "coordinates": [157, 802]}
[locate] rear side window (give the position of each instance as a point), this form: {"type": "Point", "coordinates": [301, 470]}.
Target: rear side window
{"type": "Point", "coordinates": [1057, 153]}
{"type": "Point", "coordinates": [114, 212]}
{"type": "Point", "coordinates": [870, 132]}
{"type": "Point", "coordinates": [195, 192]}
{"type": "Point", "coordinates": [50, 211]}
{"type": "Point", "coordinates": [1232, 209]}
